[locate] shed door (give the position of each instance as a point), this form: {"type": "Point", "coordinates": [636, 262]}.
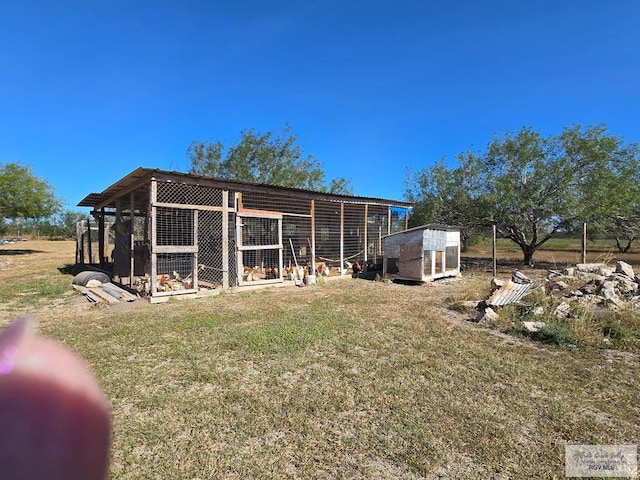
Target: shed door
{"type": "Point", "coordinates": [259, 240]}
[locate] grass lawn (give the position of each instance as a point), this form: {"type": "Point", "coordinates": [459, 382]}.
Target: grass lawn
{"type": "Point", "coordinates": [351, 379]}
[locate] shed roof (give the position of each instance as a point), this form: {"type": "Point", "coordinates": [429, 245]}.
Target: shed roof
{"type": "Point", "coordinates": [139, 178]}
{"type": "Point", "coordinates": [430, 226]}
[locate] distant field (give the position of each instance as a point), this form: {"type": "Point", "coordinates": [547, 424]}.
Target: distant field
{"type": "Point", "coordinates": [556, 253]}
{"type": "Point", "coordinates": [352, 379]}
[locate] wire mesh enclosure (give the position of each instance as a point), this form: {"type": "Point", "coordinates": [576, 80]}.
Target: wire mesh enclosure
{"type": "Point", "coordinates": [178, 233]}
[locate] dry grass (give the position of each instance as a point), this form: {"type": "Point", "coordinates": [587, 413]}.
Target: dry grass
{"type": "Point", "coordinates": [352, 379]}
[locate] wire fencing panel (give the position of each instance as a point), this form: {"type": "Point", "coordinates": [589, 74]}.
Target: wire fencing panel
{"type": "Point", "coordinates": [260, 247]}
{"type": "Point", "coordinates": [296, 238]}
{"type": "Point", "coordinates": [210, 265]}
{"type": "Point", "coordinates": [354, 232]}
{"type": "Point", "coordinates": [328, 218]}
{"type": "Point", "coordinates": [377, 227]}
{"type": "Point", "coordinates": [190, 222]}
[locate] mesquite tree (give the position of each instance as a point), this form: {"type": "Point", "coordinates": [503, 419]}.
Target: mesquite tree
{"type": "Point", "coordinates": [533, 187]}
{"type": "Point", "coordinates": [271, 158]}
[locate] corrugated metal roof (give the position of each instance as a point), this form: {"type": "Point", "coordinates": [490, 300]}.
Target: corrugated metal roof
{"type": "Point", "coordinates": [430, 226]}
{"type": "Point", "coordinates": [142, 174]}
{"type": "Point", "coordinates": [91, 200]}
{"type": "Point", "coordinates": [510, 292]}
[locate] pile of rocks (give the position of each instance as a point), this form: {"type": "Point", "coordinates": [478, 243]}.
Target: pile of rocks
{"type": "Point", "coordinates": [607, 287]}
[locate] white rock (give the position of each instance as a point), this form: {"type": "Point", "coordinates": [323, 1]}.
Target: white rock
{"type": "Point", "coordinates": [625, 269]}
{"type": "Point", "coordinates": [533, 326]}
{"type": "Point", "coordinates": [562, 310]}
{"type": "Point", "coordinates": [496, 283]}
{"type": "Point", "coordinates": [487, 316]}
{"type": "Point", "coordinates": [623, 283]}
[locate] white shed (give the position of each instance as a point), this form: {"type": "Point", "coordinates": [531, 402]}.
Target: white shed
{"type": "Point", "coordinates": [422, 254]}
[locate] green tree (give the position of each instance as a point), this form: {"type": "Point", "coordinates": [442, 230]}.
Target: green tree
{"type": "Point", "coordinates": [612, 191]}
{"type": "Point", "coordinates": [448, 196]}
{"type": "Point", "coordinates": [62, 224]}
{"type": "Point", "coordinates": [533, 187]}
{"type": "Point", "coordinates": [23, 195]}
{"type": "Point", "coordinates": [271, 158]}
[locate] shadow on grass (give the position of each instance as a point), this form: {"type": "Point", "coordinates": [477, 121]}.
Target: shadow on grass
{"type": "Point", "coordinates": [68, 269]}
{"type": "Point", "coordinates": [15, 251]}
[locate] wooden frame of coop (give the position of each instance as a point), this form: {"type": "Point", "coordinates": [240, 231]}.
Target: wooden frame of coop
{"type": "Point", "coordinates": [167, 233]}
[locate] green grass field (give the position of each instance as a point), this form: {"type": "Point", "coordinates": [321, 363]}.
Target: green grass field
{"type": "Point", "coordinates": [351, 379]}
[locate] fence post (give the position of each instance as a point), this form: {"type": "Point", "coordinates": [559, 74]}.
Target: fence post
{"type": "Point", "coordinates": [584, 242]}
{"type": "Point", "coordinates": [493, 252]}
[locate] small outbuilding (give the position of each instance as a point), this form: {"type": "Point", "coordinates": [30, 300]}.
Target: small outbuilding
{"type": "Point", "coordinates": [422, 254]}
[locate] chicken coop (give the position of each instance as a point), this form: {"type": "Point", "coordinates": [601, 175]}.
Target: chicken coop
{"type": "Point", "coordinates": [168, 233]}
{"type": "Point", "coordinates": [422, 254]}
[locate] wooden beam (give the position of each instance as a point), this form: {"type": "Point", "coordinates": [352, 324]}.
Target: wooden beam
{"type": "Point", "coordinates": [313, 237]}
{"type": "Point", "coordinates": [176, 249]}
{"type": "Point", "coordinates": [101, 248]}
{"type": "Point", "coordinates": [132, 253]}
{"type": "Point", "coordinates": [225, 238]}
{"type": "Point", "coordinates": [153, 194]}
{"type": "Point", "coordinates": [193, 207]}
{"type": "Point", "coordinates": [341, 238]}
{"type": "Point", "coordinates": [366, 231]}
{"type": "Point", "coordinates": [239, 259]}
{"type": "Point", "coordinates": [120, 193]}
{"type": "Point", "coordinates": [243, 248]}
{"type": "Point", "coordinates": [89, 240]}
{"type": "Point", "coordinates": [194, 271]}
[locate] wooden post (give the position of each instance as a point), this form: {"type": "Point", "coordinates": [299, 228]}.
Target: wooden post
{"type": "Point", "coordinates": [153, 193]}
{"type": "Point", "coordinates": [493, 251]}
{"type": "Point", "coordinates": [89, 240]}
{"type": "Point", "coordinates": [100, 219]}
{"type": "Point", "coordinates": [105, 239]}
{"type": "Point", "coordinates": [313, 237]}
{"type": "Point", "coordinates": [225, 239]}
{"type": "Point", "coordinates": [366, 231]}
{"type": "Point", "coordinates": [280, 250]}
{"type": "Point", "coordinates": [341, 238]}
{"type": "Point", "coordinates": [194, 278]}
{"type": "Point", "coordinates": [79, 247]}
{"type": "Point", "coordinates": [132, 254]}
{"type": "Point", "coordinates": [584, 242]}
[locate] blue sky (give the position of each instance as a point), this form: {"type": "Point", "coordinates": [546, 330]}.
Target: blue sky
{"type": "Point", "coordinates": [90, 90]}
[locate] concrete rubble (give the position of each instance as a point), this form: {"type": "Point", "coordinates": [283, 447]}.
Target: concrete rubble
{"type": "Point", "coordinates": [602, 286]}
{"type": "Point", "coordinates": [606, 287]}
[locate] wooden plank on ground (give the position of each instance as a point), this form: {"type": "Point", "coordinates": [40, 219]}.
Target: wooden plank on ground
{"type": "Point", "coordinates": [104, 295]}
{"type": "Point", "coordinates": [119, 292]}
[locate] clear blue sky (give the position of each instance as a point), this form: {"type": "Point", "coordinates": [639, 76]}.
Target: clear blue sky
{"type": "Point", "coordinates": [90, 90]}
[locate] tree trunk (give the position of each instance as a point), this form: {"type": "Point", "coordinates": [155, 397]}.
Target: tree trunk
{"type": "Point", "coordinates": [626, 248]}
{"type": "Point", "coordinates": [464, 241]}
{"type": "Point", "coordinates": [528, 251]}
